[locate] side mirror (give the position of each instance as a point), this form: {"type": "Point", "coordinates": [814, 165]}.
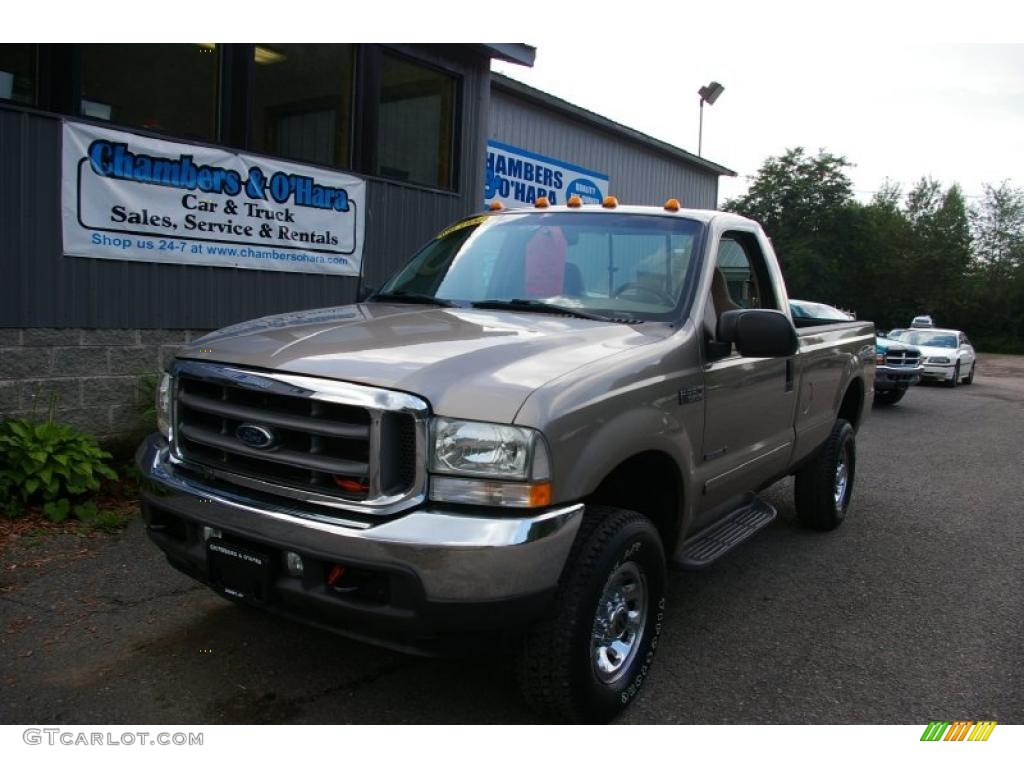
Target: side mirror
{"type": "Point", "coordinates": [758, 332]}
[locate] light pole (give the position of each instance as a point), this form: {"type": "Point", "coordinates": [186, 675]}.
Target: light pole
{"type": "Point", "coordinates": [710, 94]}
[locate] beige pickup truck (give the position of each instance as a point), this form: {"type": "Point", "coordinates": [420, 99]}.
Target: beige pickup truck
{"type": "Point", "coordinates": [505, 447]}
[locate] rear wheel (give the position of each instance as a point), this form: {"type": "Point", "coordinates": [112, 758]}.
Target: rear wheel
{"type": "Point", "coordinates": [589, 661]}
{"type": "Point", "coordinates": [825, 485]}
{"type": "Point", "coordinates": [889, 396]}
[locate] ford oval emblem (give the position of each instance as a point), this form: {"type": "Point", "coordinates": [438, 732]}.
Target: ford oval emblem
{"type": "Point", "coordinates": [255, 436]}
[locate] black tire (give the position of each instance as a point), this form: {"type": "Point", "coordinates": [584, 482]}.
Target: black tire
{"type": "Point", "coordinates": [956, 376]}
{"type": "Point", "coordinates": [970, 376]}
{"type": "Point", "coordinates": [889, 396]}
{"type": "Point", "coordinates": [817, 483]}
{"type": "Point", "coordinates": [558, 668]}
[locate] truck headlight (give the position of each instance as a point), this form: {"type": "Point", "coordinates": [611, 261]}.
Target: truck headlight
{"type": "Point", "coordinates": [163, 405]}
{"type": "Point", "coordinates": [486, 450]}
{"type": "Point", "coordinates": [495, 453]}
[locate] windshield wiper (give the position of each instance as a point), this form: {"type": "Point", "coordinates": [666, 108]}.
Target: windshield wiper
{"type": "Point", "coordinates": [408, 297]}
{"type": "Point", "coordinates": [532, 305]}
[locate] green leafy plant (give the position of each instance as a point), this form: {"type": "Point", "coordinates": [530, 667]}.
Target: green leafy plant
{"type": "Point", "coordinates": [109, 520]}
{"type": "Point", "coordinates": [51, 463]}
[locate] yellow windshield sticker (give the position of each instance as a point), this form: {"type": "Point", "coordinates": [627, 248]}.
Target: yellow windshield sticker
{"type": "Point", "coordinates": [461, 225]}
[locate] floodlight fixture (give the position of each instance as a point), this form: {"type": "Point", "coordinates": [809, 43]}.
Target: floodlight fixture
{"type": "Point", "coordinates": [708, 93]}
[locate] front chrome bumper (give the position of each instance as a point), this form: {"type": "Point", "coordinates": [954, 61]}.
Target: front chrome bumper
{"type": "Point", "coordinates": [891, 376]}
{"type": "Point", "coordinates": [455, 556]}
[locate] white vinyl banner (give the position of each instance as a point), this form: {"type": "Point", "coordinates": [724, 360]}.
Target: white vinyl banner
{"type": "Point", "coordinates": [136, 198]}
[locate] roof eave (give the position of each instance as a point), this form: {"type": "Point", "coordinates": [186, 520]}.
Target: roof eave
{"type": "Point", "coordinates": [514, 53]}
{"type": "Point", "coordinates": [544, 99]}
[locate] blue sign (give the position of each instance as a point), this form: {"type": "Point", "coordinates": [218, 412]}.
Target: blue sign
{"type": "Point", "coordinates": [517, 177]}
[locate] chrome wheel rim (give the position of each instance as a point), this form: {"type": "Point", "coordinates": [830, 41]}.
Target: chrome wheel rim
{"type": "Point", "coordinates": [619, 623]}
{"type": "Point", "coordinates": [842, 481]}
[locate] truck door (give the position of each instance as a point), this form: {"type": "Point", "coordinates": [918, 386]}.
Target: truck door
{"type": "Point", "coordinates": [749, 402]}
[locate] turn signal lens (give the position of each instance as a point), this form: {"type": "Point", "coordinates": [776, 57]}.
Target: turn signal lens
{"type": "Point", "coordinates": [672, 205]}
{"type": "Point", "coordinates": [575, 201]}
{"type": "Point", "coordinates": [489, 493]}
{"type": "Point", "coordinates": [540, 494]}
{"type": "Point", "coordinates": [610, 202]}
{"type": "Point", "coordinates": [163, 405]}
{"type": "Point", "coordinates": [542, 202]}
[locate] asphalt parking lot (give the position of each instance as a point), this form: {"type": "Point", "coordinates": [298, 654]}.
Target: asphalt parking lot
{"type": "Point", "coordinates": [913, 610]}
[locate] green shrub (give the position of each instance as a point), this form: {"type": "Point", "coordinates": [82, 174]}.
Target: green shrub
{"type": "Point", "coordinates": [50, 463]}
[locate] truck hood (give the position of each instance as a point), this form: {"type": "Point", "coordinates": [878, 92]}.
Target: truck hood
{"type": "Point", "coordinates": [469, 363]}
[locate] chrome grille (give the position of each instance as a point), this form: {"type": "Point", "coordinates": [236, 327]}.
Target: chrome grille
{"type": "Point", "coordinates": [327, 442]}
{"type": "Point", "coordinates": [902, 357]}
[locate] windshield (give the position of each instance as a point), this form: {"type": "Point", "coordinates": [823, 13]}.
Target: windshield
{"type": "Point", "coordinates": [616, 266]}
{"type": "Point", "coordinates": [929, 339]}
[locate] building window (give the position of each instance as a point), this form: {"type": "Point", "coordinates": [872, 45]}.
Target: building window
{"type": "Point", "coordinates": [18, 73]}
{"type": "Point", "coordinates": [303, 102]}
{"type": "Point", "coordinates": [416, 123]}
{"type": "Point", "coordinates": [169, 88]}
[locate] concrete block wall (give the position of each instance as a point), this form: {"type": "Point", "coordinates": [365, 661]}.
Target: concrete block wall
{"type": "Point", "coordinates": [96, 375]}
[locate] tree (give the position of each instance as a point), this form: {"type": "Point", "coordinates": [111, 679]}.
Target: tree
{"type": "Point", "coordinates": [801, 202]}
{"type": "Point", "coordinates": [939, 254]}
{"type": "Point", "coordinates": [998, 268]}
{"type": "Point", "coordinates": [998, 225]}
{"type": "Point", "coordinates": [898, 256]}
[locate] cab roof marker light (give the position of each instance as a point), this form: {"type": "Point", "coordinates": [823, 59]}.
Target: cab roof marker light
{"type": "Point", "coordinates": [496, 206]}
{"type": "Point", "coordinates": [575, 202]}
{"type": "Point", "coordinates": [542, 202]}
{"type": "Point", "coordinates": [610, 202]}
{"type": "Point", "coordinates": [672, 205]}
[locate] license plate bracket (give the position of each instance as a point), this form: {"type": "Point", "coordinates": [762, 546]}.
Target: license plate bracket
{"type": "Point", "coordinates": [239, 572]}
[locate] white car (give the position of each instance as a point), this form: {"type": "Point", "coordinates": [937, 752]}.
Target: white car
{"type": "Point", "coordinates": [947, 354]}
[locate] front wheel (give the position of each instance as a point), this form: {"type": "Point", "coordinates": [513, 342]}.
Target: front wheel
{"type": "Point", "coordinates": [889, 396]}
{"type": "Point", "coordinates": [589, 661]}
{"type": "Point", "coordinates": [956, 376]}
{"type": "Point", "coordinates": [970, 376]}
{"type": "Point", "coordinates": [825, 485]}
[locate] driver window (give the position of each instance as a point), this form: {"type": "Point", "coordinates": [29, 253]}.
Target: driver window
{"type": "Point", "coordinates": [740, 280]}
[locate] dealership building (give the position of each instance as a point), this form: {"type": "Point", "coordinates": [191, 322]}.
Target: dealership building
{"type": "Point", "coordinates": [151, 192]}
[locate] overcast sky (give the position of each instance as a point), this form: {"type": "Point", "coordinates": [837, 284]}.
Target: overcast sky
{"type": "Point", "coordinates": [955, 112]}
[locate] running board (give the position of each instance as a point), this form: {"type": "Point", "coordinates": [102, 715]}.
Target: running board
{"type": "Point", "coordinates": [714, 541]}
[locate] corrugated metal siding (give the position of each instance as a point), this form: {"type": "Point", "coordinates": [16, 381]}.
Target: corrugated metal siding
{"type": "Point", "coordinates": [639, 175]}
{"type": "Point", "coordinates": [40, 287]}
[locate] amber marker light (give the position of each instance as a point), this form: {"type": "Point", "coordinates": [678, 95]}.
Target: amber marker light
{"type": "Point", "coordinates": [672, 205]}
{"type": "Point", "coordinates": [575, 201]}
{"type": "Point", "coordinates": [540, 494]}
{"type": "Point", "coordinates": [542, 202]}
{"type": "Point", "coordinates": [610, 202]}
{"type": "Point", "coordinates": [496, 205]}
